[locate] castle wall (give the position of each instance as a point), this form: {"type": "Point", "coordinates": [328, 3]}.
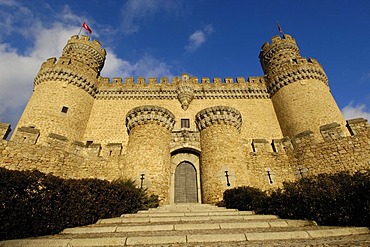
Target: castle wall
{"type": "Point", "coordinates": [259, 165]}
{"type": "Point", "coordinates": [265, 168]}
{"type": "Point", "coordinates": [56, 160]}
{"type": "Point", "coordinates": [107, 121]}
{"type": "Point", "coordinates": [351, 153]}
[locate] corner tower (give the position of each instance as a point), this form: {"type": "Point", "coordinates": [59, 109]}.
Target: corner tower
{"type": "Point", "coordinates": [64, 91]}
{"type": "Point", "coordinates": [298, 87]}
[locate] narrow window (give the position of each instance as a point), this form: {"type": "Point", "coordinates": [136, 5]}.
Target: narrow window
{"type": "Point", "coordinates": [253, 148]}
{"type": "Point", "coordinates": [64, 109]}
{"type": "Point", "coordinates": [273, 147]}
{"type": "Point", "coordinates": [185, 123]}
{"type": "Point", "coordinates": [269, 175]}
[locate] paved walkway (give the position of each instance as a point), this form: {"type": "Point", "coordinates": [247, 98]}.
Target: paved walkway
{"type": "Point", "coordinates": [200, 225]}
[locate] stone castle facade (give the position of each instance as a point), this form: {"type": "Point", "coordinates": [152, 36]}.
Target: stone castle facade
{"type": "Point", "coordinates": [186, 139]}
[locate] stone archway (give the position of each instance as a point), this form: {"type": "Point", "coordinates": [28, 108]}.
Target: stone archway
{"type": "Point", "coordinates": [186, 189]}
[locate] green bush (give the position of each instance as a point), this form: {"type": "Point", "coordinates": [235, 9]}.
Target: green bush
{"type": "Point", "coordinates": [33, 203]}
{"type": "Point", "coordinates": [245, 198]}
{"type": "Point", "coordinates": [339, 199]}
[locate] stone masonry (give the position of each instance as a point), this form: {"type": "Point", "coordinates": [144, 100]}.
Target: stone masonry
{"type": "Point", "coordinates": [185, 138]}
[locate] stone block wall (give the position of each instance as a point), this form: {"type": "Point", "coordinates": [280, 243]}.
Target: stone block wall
{"type": "Point", "coordinates": [254, 162]}
{"type": "Point", "coordinates": [115, 99]}
{"type": "Point", "coordinates": [56, 160]}
{"type": "Point", "coordinates": [350, 153]}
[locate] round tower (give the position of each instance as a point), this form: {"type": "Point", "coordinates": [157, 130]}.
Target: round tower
{"type": "Point", "coordinates": [148, 158]}
{"type": "Point", "coordinates": [64, 91]}
{"type": "Point", "coordinates": [298, 87]}
{"type": "Point", "coordinates": [222, 152]}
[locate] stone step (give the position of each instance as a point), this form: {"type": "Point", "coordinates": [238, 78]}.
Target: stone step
{"type": "Point", "coordinates": [205, 239]}
{"type": "Point", "coordinates": [188, 208]}
{"type": "Point", "coordinates": [186, 218]}
{"type": "Point", "coordinates": [178, 214]}
{"type": "Point", "coordinates": [187, 227]}
{"type": "Point", "coordinates": [184, 225]}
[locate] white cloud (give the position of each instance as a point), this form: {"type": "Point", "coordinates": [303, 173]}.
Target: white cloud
{"type": "Point", "coordinates": [135, 11]}
{"type": "Point", "coordinates": [147, 66]}
{"type": "Point", "coordinates": [18, 69]}
{"type": "Point", "coordinates": [197, 38]}
{"type": "Point", "coordinates": [358, 111]}
{"type": "Point", "coordinates": [16, 72]}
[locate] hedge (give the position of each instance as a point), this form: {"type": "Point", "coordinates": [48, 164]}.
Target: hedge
{"type": "Point", "coordinates": [33, 203]}
{"type": "Point", "coordinates": [339, 199]}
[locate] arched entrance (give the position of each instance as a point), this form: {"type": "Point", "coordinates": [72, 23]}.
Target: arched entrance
{"type": "Point", "coordinates": [186, 190]}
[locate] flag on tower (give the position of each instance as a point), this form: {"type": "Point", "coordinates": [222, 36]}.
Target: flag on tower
{"type": "Point", "coordinates": [279, 28]}
{"type": "Point", "coordinates": [84, 25]}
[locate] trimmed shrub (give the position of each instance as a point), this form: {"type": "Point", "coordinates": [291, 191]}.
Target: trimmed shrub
{"type": "Point", "coordinates": [339, 199]}
{"type": "Point", "coordinates": [245, 198]}
{"type": "Point", "coordinates": [34, 204]}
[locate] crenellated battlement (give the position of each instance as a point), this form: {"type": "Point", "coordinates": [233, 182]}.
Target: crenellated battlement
{"type": "Point", "coordinates": [218, 115]}
{"type": "Point", "coordinates": [183, 89]}
{"type": "Point", "coordinates": [59, 72]}
{"type": "Point", "coordinates": [105, 82]}
{"type": "Point", "coordinates": [84, 39]}
{"type": "Point", "coordinates": [294, 70]}
{"type": "Point", "coordinates": [333, 131]}
{"type": "Point", "coordinates": [295, 62]}
{"type": "Point", "coordinates": [64, 62]}
{"type": "Point", "coordinates": [278, 51]}
{"type": "Point", "coordinates": [144, 114]}
{"type": "Point", "coordinates": [358, 126]}
{"type": "Point", "coordinates": [90, 54]}
{"type": "Point", "coordinates": [277, 39]}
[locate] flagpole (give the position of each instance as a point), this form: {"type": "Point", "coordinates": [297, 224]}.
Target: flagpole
{"type": "Point", "coordinates": [79, 32]}
{"type": "Point", "coordinates": [279, 29]}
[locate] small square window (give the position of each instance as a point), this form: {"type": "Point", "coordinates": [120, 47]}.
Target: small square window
{"type": "Point", "coordinates": [185, 123]}
{"type": "Point", "coordinates": [64, 109]}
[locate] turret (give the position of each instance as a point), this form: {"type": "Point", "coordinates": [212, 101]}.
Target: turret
{"type": "Point", "coordinates": [272, 55]}
{"type": "Point", "coordinates": [298, 88]}
{"type": "Point", "coordinates": [219, 128]}
{"type": "Point", "coordinates": [89, 54]}
{"type": "Point", "coordinates": [148, 157]}
{"type": "Point", "coordinates": [64, 91]}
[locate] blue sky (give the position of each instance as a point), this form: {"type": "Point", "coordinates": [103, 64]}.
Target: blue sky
{"type": "Point", "coordinates": [204, 38]}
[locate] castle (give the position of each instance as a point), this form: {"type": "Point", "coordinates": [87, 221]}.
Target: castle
{"type": "Point", "coordinates": [186, 139]}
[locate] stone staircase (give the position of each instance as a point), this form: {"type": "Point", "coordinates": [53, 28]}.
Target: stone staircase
{"type": "Point", "coordinates": [196, 225]}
